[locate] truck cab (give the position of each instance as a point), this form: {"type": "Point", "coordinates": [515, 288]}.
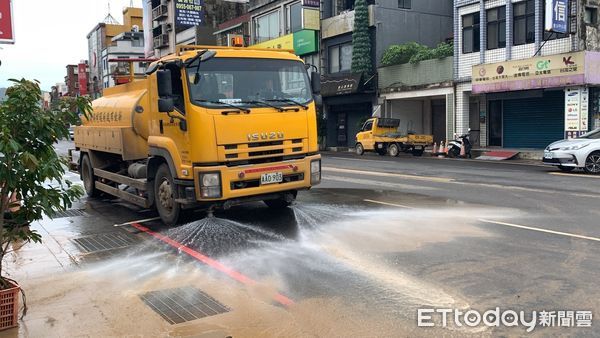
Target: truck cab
{"type": "Point", "coordinates": [209, 127]}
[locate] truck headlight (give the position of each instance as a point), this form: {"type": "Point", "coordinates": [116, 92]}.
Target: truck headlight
{"type": "Point", "coordinates": [315, 172]}
{"type": "Point", "coordinates": [210, 185]}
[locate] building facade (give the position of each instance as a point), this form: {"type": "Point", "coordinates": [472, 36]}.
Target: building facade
{"type": "Point", "coordinates": [101, 37]}
{"type": "Point", "coordinates": [72, 80]}
{"type": "Point", "coordinates": [518, 85]}
{"type": "Point", "coordinates": [125, 46]}
{"type": "Point", "coordinates": [186, 22]}
{"type": "Point", "coordinates": [350, 98]}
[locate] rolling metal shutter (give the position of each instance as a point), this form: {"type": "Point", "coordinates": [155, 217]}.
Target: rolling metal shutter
{"type": "Point", "coordinates": [534, 122]}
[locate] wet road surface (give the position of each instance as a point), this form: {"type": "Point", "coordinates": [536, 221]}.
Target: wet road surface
{"type": "Point", "coordinates": [359, 254]}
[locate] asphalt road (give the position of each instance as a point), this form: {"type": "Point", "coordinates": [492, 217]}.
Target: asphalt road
{"type": "Point", "coordinates": [382, 237]}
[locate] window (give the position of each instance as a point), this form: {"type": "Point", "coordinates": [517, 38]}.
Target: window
{"type": "Point", "coordinates": [404, 4]}
{"type": "Point", "coordinates": [266, 27]}
{"type": "Point", "coordinates": [294, 18]}
{"type": "Point", "coordinates": [340, 6]}
{"type": "Point", "coordinates": [496, 28]}
{"type": "Point", "coordinates": [470, 33]}
{"type": "Point", "coordinates": [368, 126]}
{"type": "Point", "coordinates": [340, 58]}
{"type": "Point", "coordinates": [524, 22]}
{"type": "Point", "coordinates": [591, 16]}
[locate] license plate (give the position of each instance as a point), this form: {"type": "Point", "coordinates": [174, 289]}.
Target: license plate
{"type": "Point", "coordinates": [271, 178]}
{"type": "Point", "coordinates": [548, 155]}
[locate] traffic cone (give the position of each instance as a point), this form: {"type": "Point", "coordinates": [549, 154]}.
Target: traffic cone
{"type": "Point", "coordinates": [462, 150]}
{"type": "Point", "coordinates": [440, 152]}
{"type": "Point", "coordinates": [435, 149]}
{"type": "Point", "coordinates": [446, 148]}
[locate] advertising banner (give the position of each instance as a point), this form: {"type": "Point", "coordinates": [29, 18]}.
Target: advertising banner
{"type": "Point", "coordinates": [189, 13]}
{"type": "Point", "coordinates": [576, 111]}
{"type": "Point", "coordinates": [82, 78]}
{"type": "Point", "coordinates": [283, 42]}
{"type": "Point", "coordinates": [557, 16]}
{"type": "Point", "coordinates": [7, 34]}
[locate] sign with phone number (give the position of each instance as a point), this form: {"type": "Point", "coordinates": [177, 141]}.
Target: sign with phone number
{"type": "Point", "coordinates": [189, 13]}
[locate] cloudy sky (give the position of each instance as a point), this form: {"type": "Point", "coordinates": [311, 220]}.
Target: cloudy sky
{"type": "Point", "coordinates": [50, 35]}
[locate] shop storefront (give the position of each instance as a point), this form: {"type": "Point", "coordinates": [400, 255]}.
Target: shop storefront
{"type": "Point", "coordinates": [533, 102]}
{"type": "Point", "coordinates": [348, 101]}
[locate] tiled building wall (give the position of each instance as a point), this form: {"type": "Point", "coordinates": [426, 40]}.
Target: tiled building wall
{"type": "Point", "coordinates": [464, 62]}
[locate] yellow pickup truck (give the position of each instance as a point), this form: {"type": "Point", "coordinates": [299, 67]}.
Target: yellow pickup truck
{"type": "Point", "coordinates": [381, 135]}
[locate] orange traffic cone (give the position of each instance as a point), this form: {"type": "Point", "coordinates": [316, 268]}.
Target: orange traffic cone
{"type": "Point", "coordinates": [462, 150]}
{"type": "Point", "coordinates": [440, 152]}
{"type": "Point", "coordinates": [435, 149]}
{"type": "Point", "coordinates": [446, 148]}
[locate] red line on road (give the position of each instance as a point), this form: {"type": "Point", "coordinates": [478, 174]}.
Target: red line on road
{"type": "Point", "coordinates": [283, 300]}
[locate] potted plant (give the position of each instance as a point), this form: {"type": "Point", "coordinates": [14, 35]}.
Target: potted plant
{"type": "Point", "coordinates": [31, 173]}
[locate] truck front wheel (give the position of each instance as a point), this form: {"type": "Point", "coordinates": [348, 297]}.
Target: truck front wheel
{"type": "Point", "coordinates": [164, 196]}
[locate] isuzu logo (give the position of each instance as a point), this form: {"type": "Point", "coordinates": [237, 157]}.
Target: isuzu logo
{"type": "Point", "coordinates": [274, 135]}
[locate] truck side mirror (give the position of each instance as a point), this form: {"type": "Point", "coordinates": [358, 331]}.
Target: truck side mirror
{"type": "Point", "coordinates": [315, 82]}
{"type": "Point", "coordinates": [163, 81]}
{"type": "Point", "coordinates": [318, 100]}
{"type": "Point", "coordinates": [165, 105]}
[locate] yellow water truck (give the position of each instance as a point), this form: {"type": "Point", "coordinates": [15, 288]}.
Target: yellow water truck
{"type": "Point", "coordinates": [208, 127]}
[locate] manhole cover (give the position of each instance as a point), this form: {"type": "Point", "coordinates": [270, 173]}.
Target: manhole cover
{"type": "Point", "coordinates": [106, 241]}
{"type": "Point", "coordinates": [183, 304]}
{"type": "Point", "coordinates": [70, 213]}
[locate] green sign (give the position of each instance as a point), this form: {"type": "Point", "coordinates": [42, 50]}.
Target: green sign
{"type": "Point", "coordinates": [305, 42]}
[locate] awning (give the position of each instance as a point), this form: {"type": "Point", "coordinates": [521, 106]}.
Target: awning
{"type": "Point", "coordinates": [333, 85]}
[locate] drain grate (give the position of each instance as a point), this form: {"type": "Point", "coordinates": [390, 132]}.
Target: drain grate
{"type": "Point", "coordinates": [106, 241]}
{"type": "Point", "coordinates": [183, 304]}
{"type": "Point", "coordinates": [70, 213]}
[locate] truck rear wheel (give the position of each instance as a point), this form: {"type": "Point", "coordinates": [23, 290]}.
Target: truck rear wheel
{"type": "Point", "coordinates": [393, 150]}
{"type": "Point", "coordinates": [87, 176]}
{"type": "Point", "coordinates": [164, 196]}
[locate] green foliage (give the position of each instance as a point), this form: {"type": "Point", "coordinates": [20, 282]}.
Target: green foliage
{"type": "Point", "coordinates": [361, 40]}
{"type": "Point", "coordinates": [414, 52]}
{"type": "Point", "coordinates": [31, 173]}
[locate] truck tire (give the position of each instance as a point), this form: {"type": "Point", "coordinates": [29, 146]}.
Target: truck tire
{"type": "Point", "coordinates": [359, 149]}
{"type": "Point", "coordinates": [164, 197]}
{"type": "Point", "coordinates": [393, 150]}
{"type": "Point", "coordinates": [86, 173]}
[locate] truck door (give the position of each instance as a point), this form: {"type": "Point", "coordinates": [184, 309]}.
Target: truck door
{"type": "Point", "coordinates": [171, 127]}
{"type": "Point", "coordinates": [365, 136]}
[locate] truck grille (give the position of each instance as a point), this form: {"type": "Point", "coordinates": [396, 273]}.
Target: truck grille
{"type": "Point", "coordinates": [262, 152]}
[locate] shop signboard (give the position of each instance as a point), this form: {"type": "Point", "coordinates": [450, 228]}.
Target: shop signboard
{"type": "Point", "coordinates": [283, 42]}
{"type": "Point", "coordinates": [539, 72]}
{"type": "Point", "coordinates": [310, 19]}
{"type": "Point", "coordinates": [311, 3]}
{"type": "Point", "coordinates": [305, 42]}
{"type": "Point", "coordinates": [7, 34]}
{"type": "Point", "coordinates": [557, 16]}
{"type": "Point", "coordinates": [82, 78]}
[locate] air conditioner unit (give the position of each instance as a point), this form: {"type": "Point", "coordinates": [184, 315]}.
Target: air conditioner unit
{"type": "Point", "coordinates": [161, 41]}
{"type": "Point", "coordinates": [160, 12]}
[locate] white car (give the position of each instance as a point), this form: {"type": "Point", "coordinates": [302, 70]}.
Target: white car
{"type": "Point", "coordinates": [582, 152]}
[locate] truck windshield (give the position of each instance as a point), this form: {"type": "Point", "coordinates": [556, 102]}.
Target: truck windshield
{"type": "Point", "coordinates": [248, 82]}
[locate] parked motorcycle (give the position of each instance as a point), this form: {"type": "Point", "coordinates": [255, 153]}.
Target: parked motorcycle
{"type": "Point", "coordinates": [454, 146]}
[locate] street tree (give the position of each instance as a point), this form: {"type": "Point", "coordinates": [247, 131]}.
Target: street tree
{"type": "Point", "coordinates": [32, 182]}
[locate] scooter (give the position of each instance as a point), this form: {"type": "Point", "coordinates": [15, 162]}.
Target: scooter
{"type": "Point", "coordinates": [454, 146]}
